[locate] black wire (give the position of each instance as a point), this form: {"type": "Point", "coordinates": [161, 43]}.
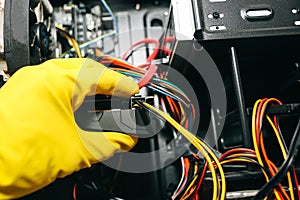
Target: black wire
{"type": "Point", "coordinates": [292, 170]}
{"type": "Point", "coordinates": [280, 134]}
{"type": "Point", "coordinates": [252, 161]}
{"type": "Point", "coordinates": [293, 150]}
{"type": "Point", "coordinates": [295, 186]}
{"type": "Point", "coordinates": [191, 175]}
{"type": "Point", "coordinates": [135, 50]}
{"type": "Point", "coordinates": [65, 32]}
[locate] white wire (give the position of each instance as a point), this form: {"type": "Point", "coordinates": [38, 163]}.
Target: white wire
{"type": "Point", "coordinates": [181, 180]}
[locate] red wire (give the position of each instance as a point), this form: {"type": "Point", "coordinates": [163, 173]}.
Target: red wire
{"type": "Point", "coordinates": [257, 120]}
{"type": "Point", "coordinates": [74, 192]}
{"type": "Point", "coordinates": [145, 41]}
{"type": "Point", "coordinates": [170, 39]}
{"type": "Point", "coordinates": [296, 181]}
{"type": "Point", "coordinates": [236, 150]}
{"type": "Point", "coordinates": [260, 114]}
{"type": "Point", "coordinates": [196, 195]}
{"type": "Point", "coordinates": [154, 54]}
{"type": "Point", "coordinates": [186, 124]}
{"type": "Point", "coordinates": [172, 107]}
{"type": "Point", "coordinates": [175, 107]}
{"type": "Point", "coordinates": [145, 65]}
{"type": "Point", "coordinates": [122, 64]}
{"type": "Point", "coordinates": [148, 76]}
{"type": "Point", "coordinates": [186, 171]}
{"type": "Point", "coordinates": [293, 168]}
{"type": "Point", "coordinates": [167, 50]}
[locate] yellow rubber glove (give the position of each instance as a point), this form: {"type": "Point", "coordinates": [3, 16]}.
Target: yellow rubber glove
{"type": "Point", "coordinates": [39, 139]}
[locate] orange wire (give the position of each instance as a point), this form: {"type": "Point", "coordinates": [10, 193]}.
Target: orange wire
{"type": "Point", "coordinates": [186, 124]}
{"type": "Point", "coordinates": [274, 166]}
{"type": "Point", "coordinates": [241, 155]}
{"type": "Point", "coordinates": [261, 111]}
{"type": "Point", "coordinates": [271, 166]}
{"type": "Point", "coordinates": [186, 170]}
{"type": "Point", "coordinates": [171, 105]}
{"type": "Point", "coordinates": [257, 120]}
{"type": "Point", "coordinates": [231, 151]}
{"type": "Point", "coordinates": [115, 61]}
{"type": "Point", "coordinates": [174, 106]}
{"type": "Point", "coordinates": [193, 112]}
{"type": "Point", "coordinates": [196, 195]}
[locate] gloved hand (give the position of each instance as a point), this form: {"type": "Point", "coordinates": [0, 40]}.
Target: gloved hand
{"type": "Point", "coordinates": [39, 139]}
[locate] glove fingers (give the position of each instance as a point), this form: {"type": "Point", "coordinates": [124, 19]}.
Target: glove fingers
{"type": "Point", "coordinates": [116, 84]}
{"type": "Point", "coordinates": [102, 145]}
{"type": "Point", "coordinates": [94, 78]}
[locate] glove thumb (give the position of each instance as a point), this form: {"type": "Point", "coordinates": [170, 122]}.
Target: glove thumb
{"type": "Point", "coordinates": [103, 145]}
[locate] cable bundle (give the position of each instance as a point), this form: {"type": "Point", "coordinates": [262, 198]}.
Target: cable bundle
{"type": "Point", "coordinates": [206, 151]}
{"type": "Point", "coordinates": [259, 113]}
{"type": "Point", "coordinates": [178, 110]}
{"type": "Point", "coordinates": [191, 179]}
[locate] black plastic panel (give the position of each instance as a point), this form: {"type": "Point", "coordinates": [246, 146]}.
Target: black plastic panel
{"type": "Point", "coordinates": [16, 34]}
{"type": "Point", "coordinates": [228, 19]}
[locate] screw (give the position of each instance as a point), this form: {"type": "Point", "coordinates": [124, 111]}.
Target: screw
{"type": "Point", "coordinates": [216, 15]}
{"type": "Point", "coordinates": [198, 34]}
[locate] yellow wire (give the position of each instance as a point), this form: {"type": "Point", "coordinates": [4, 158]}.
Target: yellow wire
{"type": "Point", "coordinates": [254, 133]}
{"type": "Point", "coordinates": [277, 136]}
{"type": "Point", "coordinates": [76, 46]}
{"type": "Point", "coordinates": [284, 153]}
{"type": "Point", "coordinates": [187, 191]}
{"type": "Point", "coordinates": [190, 189]}
{"type": "Point", "coordinates": [183, 115]}
{"type": "Point", "coordinates": [190, 137]}
{"type": "Point", "coordinates": [81, 45]}
{"type": "Point", "coordinates": [222, 174]}
{"type": "Point", "coordinates": [255, 142]}
{"type": "Point", "coordinates": [254, 137]}
{"type": "Point", "coordinates": [205, 151]}
{"type": "Point", "coordinates": [240, 155]}
{"type": "Point", "coordinates": [71, 39]}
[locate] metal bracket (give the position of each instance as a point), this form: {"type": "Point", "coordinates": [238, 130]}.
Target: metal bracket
{"type": "Point", "coordinates": [3, 71]}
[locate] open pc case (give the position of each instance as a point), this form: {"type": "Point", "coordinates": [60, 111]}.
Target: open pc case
{"type": "Point", "coordinates": [223, 55]}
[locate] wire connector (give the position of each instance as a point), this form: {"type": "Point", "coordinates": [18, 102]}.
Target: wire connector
{"type": "Point", "coordinates": [284, 109]}
{"type": "Point", "coordinates": [123, 116]}
{"type": "Point", "coordinates": [140, 98]}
